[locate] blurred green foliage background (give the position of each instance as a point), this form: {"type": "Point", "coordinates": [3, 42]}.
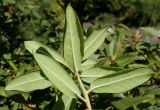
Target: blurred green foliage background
{"type": "Point", "coordinates": [43, 20]}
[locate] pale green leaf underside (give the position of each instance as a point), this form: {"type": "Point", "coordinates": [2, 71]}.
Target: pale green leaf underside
{"type": "Point", "coordinates": [125, 103]}
{"type": "Point", "coordinates": [94, 73]}
{"type": "Point", "coordinates": [29, 82]}
{"type": "Point", "coordinates": [73, 40]}
{"type": "Point", "coordinates": [34, 47]}
{"type": "Point", "coordinates": [121, 82]}
{"type": "Point", "coordinates": [57, 75]}
{"type": "Point", "coordinates": [93, 42]}
{"type": "Point", "coordinates": [87, 64]}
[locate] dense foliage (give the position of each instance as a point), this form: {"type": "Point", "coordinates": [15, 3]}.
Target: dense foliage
{"type": "Point", "coordinates": [125, 61]}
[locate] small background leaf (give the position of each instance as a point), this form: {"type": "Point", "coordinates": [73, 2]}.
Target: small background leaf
{"type": "Point", "coordinates": [126, 59]}
{"type": "Point", "coordinates": [125, 103]}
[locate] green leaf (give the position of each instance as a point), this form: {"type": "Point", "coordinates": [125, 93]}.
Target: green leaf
{"type": "Point", "coordinates": [89, 31]}
{"type": "Point", "coordinates": [29, 82]}
{"type": "Point", "coordinates": [115, 49]}
{"type": "Point", "coordinates": [37, 47]}
{"type": "Point", "coordinates": [73, 40]}
{"type": "Point", "coordinates": [57, 75]}
{"type": "Point", "coordinates": [126, 59]}
{"type": "Point", "coordinates": [87, 64]}
{"type": "Point", "coordinates": [125, 103]}
{"type": "Point", "coordinates": [94, 73]}
{"type": "Point", "coordinates": [94, 41]}
{"type": "Point", "coordinates": [121, 82]}
{"type": "Point", "coordinates": [151, 31]}
{"type": "Point", "coordinates": [2, 91]}
{"type": "Point", "coordinates": [65, 103]}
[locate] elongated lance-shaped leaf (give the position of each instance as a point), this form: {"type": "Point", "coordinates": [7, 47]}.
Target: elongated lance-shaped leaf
{"type": "Point", "coordinates": [29, 82]}
{"type": "Point", "coordinates": [121, 82]}
{"type": "Point", "coordinates": [94, 73]}
{"type": "Point", "coordinates": [34, 47]}
{"type": "Point", "coordinates": [94, 41]}
{"type": "Point", "coordinates": [73, 40]}
{"type": "Point", "coordinates": [57, 75]}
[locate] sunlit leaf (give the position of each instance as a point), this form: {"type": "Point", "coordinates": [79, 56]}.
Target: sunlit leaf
{"type": "Point", "coordinates": [73, 40]}
{"type": "Point", "coordinates": [121, 82]}
{"type": "Point", "coordinates": [94, 73]}
{"type": "Point", "coordinates": [29, 82]}
{"type": "Point", "coordinates": [94, 41]}
{"type": "Point", "coordinates": [87, 64]}
{"type": "Point", "coordinates": [57, 75]}
{"type": "Point", "coordinates": [37, 47]}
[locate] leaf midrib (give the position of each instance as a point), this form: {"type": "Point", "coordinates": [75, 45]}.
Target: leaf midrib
{"type": "Point", "coordinates": [73, 55]}
{"type": "Point", "coordinates": [59, 78]}
{"type": "Point", "coordinates": [27, 82]}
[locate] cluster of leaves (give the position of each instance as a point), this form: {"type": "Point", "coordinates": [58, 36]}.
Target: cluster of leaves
{"type": "Point", "coordinates": [98, 68]}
